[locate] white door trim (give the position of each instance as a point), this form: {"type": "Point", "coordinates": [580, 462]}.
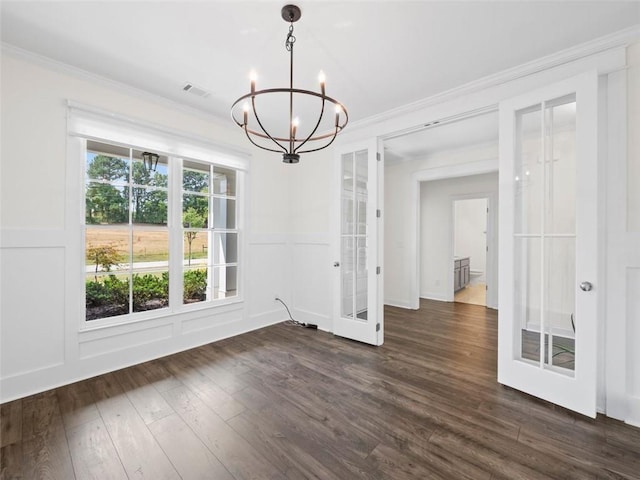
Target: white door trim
{"type": "Point", "coordinates": [491, 256]}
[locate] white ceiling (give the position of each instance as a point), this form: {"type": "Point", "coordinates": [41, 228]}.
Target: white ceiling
{"type": "Point", "coordinates": [377, 56]}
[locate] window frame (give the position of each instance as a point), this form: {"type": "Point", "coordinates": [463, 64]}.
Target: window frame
{"type": "Point", "coordinates": [90, 124]}
{"type": "Point", "coordinates": [210, 229]}
{"type": "Point", "coordinates": [130, 227]}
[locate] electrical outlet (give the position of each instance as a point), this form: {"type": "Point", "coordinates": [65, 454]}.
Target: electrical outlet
{"type": "Point", "coordinates": [437, 283]}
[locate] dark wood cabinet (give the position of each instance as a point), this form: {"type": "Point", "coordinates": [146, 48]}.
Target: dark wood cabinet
{"type": "Point", "coordinates": [461, 272]}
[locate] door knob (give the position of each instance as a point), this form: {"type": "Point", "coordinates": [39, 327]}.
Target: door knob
{"type": "Point", "coordinates": [586, 286]}
{"type": "Point", "coordinates": [336, 264]}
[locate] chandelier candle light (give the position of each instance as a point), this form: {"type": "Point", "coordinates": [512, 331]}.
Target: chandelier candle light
{"type": "Point", "coordinates": [289, 143]}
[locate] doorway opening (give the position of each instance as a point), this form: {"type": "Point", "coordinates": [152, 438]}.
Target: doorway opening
{"type": "Point", "coordinates": [470, 250]}
{"type": "Point", "coordinates": [424, 171]}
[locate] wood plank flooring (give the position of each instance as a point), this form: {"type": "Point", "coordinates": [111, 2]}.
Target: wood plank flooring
{"type": "Point", "coordinates": [290, 403]}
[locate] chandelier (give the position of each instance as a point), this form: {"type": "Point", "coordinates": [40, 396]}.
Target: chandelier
{"type": "Point", "coordinates": [287, 137]}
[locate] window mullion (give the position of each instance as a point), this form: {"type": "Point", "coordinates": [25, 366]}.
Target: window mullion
{"type": "Point", "coordinates": [130, 207]}
{"type": "Point", "coordinates": [175, 233]}
{"type": "Point", "coordinates": [210, 240]}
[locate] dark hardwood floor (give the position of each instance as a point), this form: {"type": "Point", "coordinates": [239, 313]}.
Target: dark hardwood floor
{"type": "Point", "coordinates": [290, 403]}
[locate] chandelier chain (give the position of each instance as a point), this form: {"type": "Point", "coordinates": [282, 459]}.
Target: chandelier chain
{"type": "Point", "coordinates": [290, 39]}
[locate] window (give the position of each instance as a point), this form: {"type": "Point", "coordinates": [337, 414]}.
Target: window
{"type": "Point", "coordinates": [209, 231]}
{"type": "Point", "coordinates": [132, 221]}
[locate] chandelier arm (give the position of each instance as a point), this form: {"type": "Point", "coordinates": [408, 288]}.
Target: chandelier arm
{"type": "Point", "coordinates": [257, 93]}
{"type": "Point", "coordinates": [295, 150]}
{"type": "Point", "coordinates": [255, 114]}
{"type": "Point", "coordinates": [333, 137]}
{"type": "Point", "coordinates": [315, 139]}
{"type": "Point", "coordinates": [257, 145]}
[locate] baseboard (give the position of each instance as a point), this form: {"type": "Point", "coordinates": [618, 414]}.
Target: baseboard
{"type": "Point", "coordinates": [399, 303]}
{"type": "Point", "coordinates": [441, 297]}
{"type": "Point", "coordinates": [322, 321]}
{"type": "Point", "coordinates": [633, 415]}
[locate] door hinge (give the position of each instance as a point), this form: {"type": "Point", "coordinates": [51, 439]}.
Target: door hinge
{"type": "Point", "coordinates": [378, 156]}
{"type": "Point", "coordinates": [377, 327]}
{"type": "Point", "coordinates": [378, 213]}
{"type": "Point", "coordinates": [377, 270]}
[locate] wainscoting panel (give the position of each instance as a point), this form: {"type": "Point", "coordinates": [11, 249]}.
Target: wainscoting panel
{"type": "Point", "coordinates": [128, 340]}
{"type": "Point", "coordinates": [207, 321]}
{"type": "Point", "coordinates": [312, 280]}
{"type": "Point", "coordinates": [633, 340]}
{"type": "Point", "coordinates": [32, 309]}
{"type": "Point", "coordinates": [268, 276]}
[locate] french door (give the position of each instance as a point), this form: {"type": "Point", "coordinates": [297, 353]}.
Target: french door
{"type": "Point", "coordinates": [548, 243]}
{"type": "Point", "coordinates": [358, 312]}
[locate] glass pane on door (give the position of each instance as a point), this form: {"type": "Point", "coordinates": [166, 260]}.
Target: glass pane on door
{"type": "Point", "coordinates": [528, 171]}
{"type": "Point", "coordinates": [544, 234]}
{"type": "Point", "coordinates": [361, 278]}
{"type": "Point", "coordinates": [354, 241]}
{"type": "Point", "coordinates": [347, 259]}
{"type": "Point", "coordinates": [560, 174]}
{"type": "Point", "coordinates": [527, 284]}
{"type": "Point", "coordinates": [560, 299]}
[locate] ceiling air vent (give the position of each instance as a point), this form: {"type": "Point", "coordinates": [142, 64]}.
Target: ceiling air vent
{"type": "Point", "coordinates": [191, 88]}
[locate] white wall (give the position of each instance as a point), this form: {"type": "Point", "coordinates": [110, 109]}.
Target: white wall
{"type": "Point", "coordinates": [470, 232]}
{"type": "Point", "coordinates": [41, 343]}
{"type": "Point", "coordinates": [622, 256]}
{"type": "Point", "coordinates": [633, 142]}
{"type": "Point", "coordinates": [436, 228]}
{"type": "Point", "coordinates": [633, 232]}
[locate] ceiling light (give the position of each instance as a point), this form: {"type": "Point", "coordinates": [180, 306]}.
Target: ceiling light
{"type": "Point", "coordinates": [298, 136]}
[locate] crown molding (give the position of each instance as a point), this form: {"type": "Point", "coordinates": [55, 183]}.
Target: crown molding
{"type": "Point", "coordinates": [618, 39]}
{"type": "Point", "coordinates": [61, 67]}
